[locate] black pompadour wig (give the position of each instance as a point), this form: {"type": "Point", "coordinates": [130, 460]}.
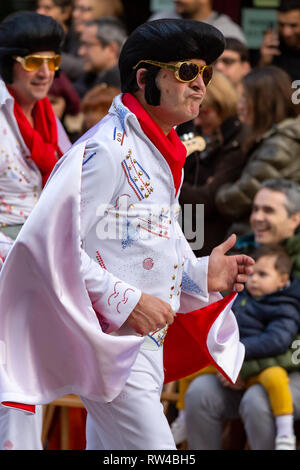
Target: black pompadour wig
{"type": "Point", "coordinates": [24, 33]}
{"type": "Point", "coordinates": [165, 41]}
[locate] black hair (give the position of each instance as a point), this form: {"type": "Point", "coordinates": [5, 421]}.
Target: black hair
{"type": "Point", "coordinates": [288, 5]}
{"type": "Point", "coordinates": [233, 44]}
{"type": "Point", "coordinates": [283, 262]}
{"type": "Point", "coordinates": [165, 41]}
{"type": "Point", "coordinates": [24, 33]}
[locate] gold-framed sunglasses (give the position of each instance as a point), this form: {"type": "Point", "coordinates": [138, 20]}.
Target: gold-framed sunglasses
{"type": "Point", "coordinates": [185, 71]}
{"type": "Point", "coordinates": [33, 62]}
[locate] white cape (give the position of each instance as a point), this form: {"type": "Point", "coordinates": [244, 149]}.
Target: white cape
{"type": "Point", "coordinates": [51, 342]}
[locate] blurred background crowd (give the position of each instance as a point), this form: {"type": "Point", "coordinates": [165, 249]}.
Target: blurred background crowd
{"type": "Point", "coordinates": [249, 124]}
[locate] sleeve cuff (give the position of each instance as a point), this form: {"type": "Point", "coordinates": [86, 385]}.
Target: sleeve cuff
{"type": "Point", "coordinates": [116, 305]}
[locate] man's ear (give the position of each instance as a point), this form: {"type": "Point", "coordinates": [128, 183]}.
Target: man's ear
{"type": "Point", "coordinates": [141, 78]}
{"type": "Point", "coordinates": [296, 219]}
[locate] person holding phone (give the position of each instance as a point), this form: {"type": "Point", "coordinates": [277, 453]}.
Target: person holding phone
{"type": "Point", "coordinates": [281, 45]}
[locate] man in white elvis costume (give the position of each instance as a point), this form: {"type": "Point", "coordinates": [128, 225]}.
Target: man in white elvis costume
{"type": "Point", "coordinates": [101, 266]}
{"type": "Point", "coordinates": [32, 139]}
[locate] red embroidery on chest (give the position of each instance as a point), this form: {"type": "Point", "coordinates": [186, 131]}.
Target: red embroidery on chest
{"type": "Point", "coordinates": [100, 260]}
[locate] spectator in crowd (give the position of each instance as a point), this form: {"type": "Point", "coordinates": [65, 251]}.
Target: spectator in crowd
{"type": "Point", "coordinates": [282, 47]}
{"type": "Point", "coordinates": [275, 220]}
{"type": "Point", "coordinates": [96, 103]}
{"type": "Point", "coordinates": [61, 11]}
{"type": "Point", "coordinates": [234, 62]}
{"type": "Point", "coordinates": [32, 140]}
{"type": "Point", "coordinates": [62, 94]}
{"type": "Point", "coordinates": [268, 315]}
{"type": "Point", "coordinates": [202, 10]}
{"type": "Point", "coordinates": [63, 97]}
{"type": "Point", "coordinates": [87, 10]}
{"type": "Point", "coordinates": [220, 162]}
{"type": "Point", "coordinates": [65, 102]}
{"type": "Point", "coordinates": [274, 145]}
{"type": "Point", "coordinates": [100, 44]}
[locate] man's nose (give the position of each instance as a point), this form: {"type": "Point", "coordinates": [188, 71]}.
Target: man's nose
{"type": "Point", "coordinates": [287, 31]}
{"type": "Point", "coordinates": [258, 215]}
{"type": "Point", "coordinates": [44, 69]}
{"type": "Point", "coordinates": [199, 83]}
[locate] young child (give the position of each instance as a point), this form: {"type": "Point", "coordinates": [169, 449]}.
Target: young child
{"type": "Point", "coordinates": [268, 314]}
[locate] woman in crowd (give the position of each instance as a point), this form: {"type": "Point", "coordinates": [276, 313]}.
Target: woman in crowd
{"type": "Point", "coordinates": [62, 94]}
{"type": "Point", "coordinates": [273, 147]}
{"type": "Point", "coordinates": [61, 11]}
{"type": "Point", "coordinates": [220, 162]}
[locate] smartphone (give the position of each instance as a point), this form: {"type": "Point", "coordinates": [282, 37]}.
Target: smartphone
{"type": "Point", "coordinates": [273, 28]}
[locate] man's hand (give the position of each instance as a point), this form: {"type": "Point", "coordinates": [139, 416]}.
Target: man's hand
{"type": "Point", "coordinates": [149, 314]}
{"type": "Point", "coordinates": [269, 48]}
{"type": "Point", "coordinates": [227, 273]}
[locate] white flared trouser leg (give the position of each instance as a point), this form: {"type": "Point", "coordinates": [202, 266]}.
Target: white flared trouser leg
{"type": "Point", "coordinates": [19, 430]}
{"type": "Point", "coordinates": [135, 420]}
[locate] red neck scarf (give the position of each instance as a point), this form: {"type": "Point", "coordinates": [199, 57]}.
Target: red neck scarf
{"type": "Point", "coordinates": [42, 138]}
{"type": "Point", "coordinates": [170, 146]}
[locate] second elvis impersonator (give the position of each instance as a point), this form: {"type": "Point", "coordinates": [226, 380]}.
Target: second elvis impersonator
{"type": "Point", "coordinates": [101, 295]}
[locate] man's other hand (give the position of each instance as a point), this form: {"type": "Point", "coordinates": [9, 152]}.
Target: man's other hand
{"type": "Point", "coordinates": [149, 314]}
{"type": "Point", "coordinates": [228, 273]}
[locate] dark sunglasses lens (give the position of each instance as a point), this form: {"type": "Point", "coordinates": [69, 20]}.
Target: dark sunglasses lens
{"type": "Point", "coordinates": [188, 71]}
{"type": "Point", "coordinates": [207, 75]}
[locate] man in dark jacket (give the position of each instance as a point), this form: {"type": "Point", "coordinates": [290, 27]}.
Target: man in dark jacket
{"type": "Point", "coordinates": [283, 49]}
{"type": "Point", "coordinates": [100, 44]}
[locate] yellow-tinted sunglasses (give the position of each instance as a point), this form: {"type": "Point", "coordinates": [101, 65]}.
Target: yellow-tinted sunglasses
{"type": "Point", "coordinates": [186, 71]}
{"type": "Point", "coordinates": [34, 62]}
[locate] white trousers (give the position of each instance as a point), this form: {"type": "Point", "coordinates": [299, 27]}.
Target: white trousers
{"type": "Point", "coordinates": [135, 420]}
{"type": "Point", "coordinates": [19, 430]}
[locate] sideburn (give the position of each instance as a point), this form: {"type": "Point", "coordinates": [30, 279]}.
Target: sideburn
{"type": "Point", "coordinates": [152, 93]}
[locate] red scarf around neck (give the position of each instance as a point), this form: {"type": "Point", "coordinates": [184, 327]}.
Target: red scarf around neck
{"type": "Point", "coordinates": [42, 138]}
{"type": "Point", "coordinates": [170, 146]}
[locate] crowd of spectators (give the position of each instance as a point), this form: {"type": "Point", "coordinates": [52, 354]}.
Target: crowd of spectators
{"type": "Point", "coordinates": [247, 175]}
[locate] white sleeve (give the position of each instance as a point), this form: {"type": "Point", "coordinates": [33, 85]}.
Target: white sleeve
{"type": "Point", "coordinates": [112, 298]}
